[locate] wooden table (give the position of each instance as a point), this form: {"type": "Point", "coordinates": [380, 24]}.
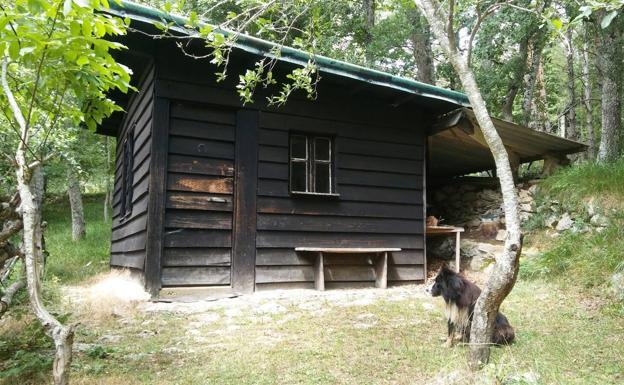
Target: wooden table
{"type": "Point", "coordinates": [381, 264]}
{"type": "Point", "coordinates": [441, 230]}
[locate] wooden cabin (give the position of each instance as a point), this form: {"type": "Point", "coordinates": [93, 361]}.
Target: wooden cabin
{"type": "Point", "coordinates": [211, 192]}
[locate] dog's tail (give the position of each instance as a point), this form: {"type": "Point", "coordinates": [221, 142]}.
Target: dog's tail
{"type": "Point", "coordinates": [503, 332]}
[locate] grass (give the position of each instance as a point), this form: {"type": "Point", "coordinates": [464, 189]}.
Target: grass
{"type": "Point", "coordinates": [562, 338]}
{"type": "Point", "coordinates": [588, 258]}
{"type": "Point", "coordinates": [69, 261]}
{"type": "Point", "coordinates": [574, 185]}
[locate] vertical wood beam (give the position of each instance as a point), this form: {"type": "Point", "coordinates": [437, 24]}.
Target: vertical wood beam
{"type": "Point", "coordinates": [457, 252]}
{"type": "Point", "coordinates": [381, 271]}
{"type": "Point", "coordinates": [246, 182]}
{"type": "Point", "coordinates": [319, 272]}
{"type": "Point", "coordinates": [157, 195]}
{"type": "Point", "coordinates": [426, 156]}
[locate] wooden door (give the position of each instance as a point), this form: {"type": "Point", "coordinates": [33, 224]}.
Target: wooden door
{"type": "Point", "coordinates": [199, 196]}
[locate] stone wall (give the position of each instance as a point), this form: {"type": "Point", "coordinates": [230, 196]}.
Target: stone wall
{"type": "Point", "coordinates": [477, 204]}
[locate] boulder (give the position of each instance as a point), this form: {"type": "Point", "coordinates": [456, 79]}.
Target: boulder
{"type": "Point", "coordinates": [565, 222]}
{"type": "Point", "coordinates": [501, 235]}
{"type": "Point", "coordinates": [617, 285]}
{"type": "Point", "coordinates": [599, 220]}
{"type": "Point", "coordinates": [484, 253]}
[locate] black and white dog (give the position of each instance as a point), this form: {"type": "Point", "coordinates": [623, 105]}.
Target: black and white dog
{"type": "Point", "coordinates": [460, 296]}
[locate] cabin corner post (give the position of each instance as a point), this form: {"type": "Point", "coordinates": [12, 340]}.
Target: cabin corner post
{"type": "Point", "coordinates": [157, 195]}
{"type": "Point", "coordinates": [245, 195]}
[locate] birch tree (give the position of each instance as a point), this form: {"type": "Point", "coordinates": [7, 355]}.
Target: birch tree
{"type": "Point", "coordinates": [56, 67]}
{"type": "Point", "coordinates": [505, 271]}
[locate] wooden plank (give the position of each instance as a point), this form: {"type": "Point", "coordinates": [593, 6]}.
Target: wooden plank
{"type": "Point", "coordinates": [338, 126]}
{"type": "Point", "coordinates": [139, 207]}
{"type": "Point", "coordinates": [193, 276]}
{"type": "Point", "coordinates": [198, 238]}
{"type": "Point", "coordinates": [199, 112]}
{"type": "Point", "coordinates": [195, 256]}
{"type": "Point", "coordinates": [314, 223]}
{"type": "Point", "coordinates": [244, 232]}
{"type": "Point", "coordinates": [273, 154]}
{"type": "Point", "coordinates": [380, 194]}
{"type": "Point", "coordinates": [287, 205]}
{"type": "Point", "coordinates": [191, 219]}
{"type": "Point", "coordinates": [279, 188]}
{"type": "Point", "coordinates": [273, 137]}
{"type": "Point", "coordinates": [157, 183]}
{"type": "Point", "coordinates": [199, 147]}
{"type": "Point", "coordinates": [272, 274]}
{"type": "Point", "coordinates": [199, 183]}
{"type": "Point", "coordinates": [130, 227]}
{"type": "Point", "coordinates": [369, 163]}
{"type": "Point", "coordinates": [131, 259]}
{"type": "Point", "coordinates": [348, 250]}
{"type": "Point", "coordinates": [202, 130]}
{"type": "Point", "coordinates": [362, 115]}
{"type": "Point", "coordinates": [407, 257]}
{"type": "Point", "coordinates": [199, 201]}
{"type": "Point", "coordinates": [278, 239]}
{"type": "Point", "coordinates": [406, 273]}
{"type": "Point", "coordinates": [202, 166]}
{"type": "Point", "coordinates": [132, 243]}
{"type": "Point", "coordinates": [276, 257]}
{"type": "Point", "coordinates": [269, 170]}
{"type": "Point", "coordinates": [378, 179]}
{"type": "Point", "coordinates": [378, 149]}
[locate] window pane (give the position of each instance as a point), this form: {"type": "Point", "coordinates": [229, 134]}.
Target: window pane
{"type": "Point", "coordinates": [298, 147]}
{"type": "Point", "coordinates": [298, 176]}
{"type": "Point", "coordinates": [322, 182]}
{"type": "Point", "coordinates": [321, 149]}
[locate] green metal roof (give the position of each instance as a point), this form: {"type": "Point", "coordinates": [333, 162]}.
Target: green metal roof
{"type": "Point", "coordinates": [291, 55]}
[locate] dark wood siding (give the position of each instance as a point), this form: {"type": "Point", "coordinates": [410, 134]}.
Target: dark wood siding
{"type": "Point", "coordinates": [379, 179]}
{"type": "Point", "coordinates": [199, 193]}
{"type": "Point", "coordinates": [129, 232]}
{"type": "Point", "coordinates": [379, 176]}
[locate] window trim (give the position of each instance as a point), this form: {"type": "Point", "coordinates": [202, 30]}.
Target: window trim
{"type": "Point", "coordinates": [311, 162]}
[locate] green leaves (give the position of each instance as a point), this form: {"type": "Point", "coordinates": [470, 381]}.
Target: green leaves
{"type": "Point", "coordinates": [60, 66]}
{"type": "Point", "coordinates": [606, 21]}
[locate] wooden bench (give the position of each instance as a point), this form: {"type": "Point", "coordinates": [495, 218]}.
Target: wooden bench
{"type": "Point", "coordinates": [441, 230]}
{"type": "Point", "coordinates": [381, 264]}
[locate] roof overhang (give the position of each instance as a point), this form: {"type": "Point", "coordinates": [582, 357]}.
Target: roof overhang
{"type": "Point", "coordinates": [457, 145]}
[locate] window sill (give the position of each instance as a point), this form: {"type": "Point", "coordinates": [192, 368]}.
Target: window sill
{"type": "Point", "coordinates": [315, 195]}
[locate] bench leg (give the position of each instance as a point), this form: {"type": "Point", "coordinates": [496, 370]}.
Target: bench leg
{"type": "Point", "coordinates": [381, 271]}
{"type": "Point", "coordinates": [457, 256]}
{"type": "Point", "coordinates": [319, 273]}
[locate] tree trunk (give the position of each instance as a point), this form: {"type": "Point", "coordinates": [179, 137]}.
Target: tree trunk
{"type": "Point", "coordinates": [587, 95]}
{"type": "Point", "coordinates": [505, 271]}
{"type": "Point", "coordinates": [571, 131]}
{"type": "Point", "coordinates": [75, 203]}
{"type": "Point", "coordinates": [516, 81]}
{"type": "Point", "coordinates": [610, 59]}
{"type": "Point", "coordinates": [421, 49]}
{"type": "Point", "coordinates": [369, 24]}
{"type": "Point", "coordinates": [30, 189]}
{"type": "Point", "coordinates": [531, 109]}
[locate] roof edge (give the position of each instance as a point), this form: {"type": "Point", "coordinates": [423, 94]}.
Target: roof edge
{"type": "Point", "coordinates": [295, 56]}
